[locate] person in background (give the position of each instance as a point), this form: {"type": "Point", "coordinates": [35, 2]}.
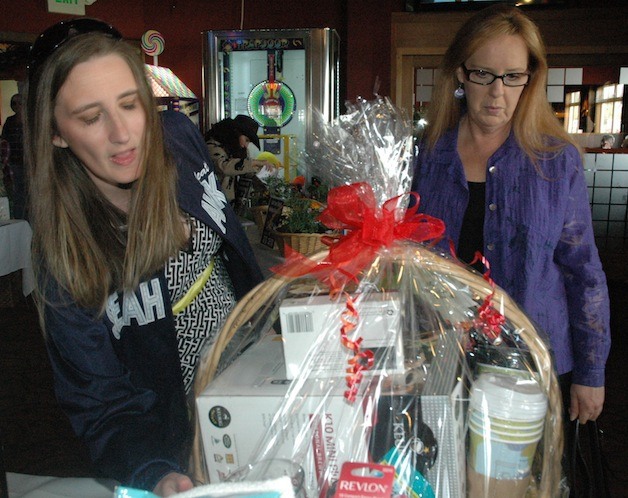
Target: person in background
{"type": "Point", "coordinates": [497, 167]}
{"type": "Point", "coordinates": [128, 219]}
{"type": "Point", "coordinates": [228, 142]}
{"type": "Point", "coordinates": [12, 132]}
{"type": "Point", "coordinates": [5, 175]}
{"type": "Point", "coordinates": [607, 142]}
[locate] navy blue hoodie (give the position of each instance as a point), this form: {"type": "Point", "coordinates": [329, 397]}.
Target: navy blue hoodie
{"type": "Point", "coordinates": [118, 376]}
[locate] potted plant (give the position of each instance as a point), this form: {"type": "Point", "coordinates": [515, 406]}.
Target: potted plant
{"type": "Point", "coordinates": [273, 187]}
{"type": "Point", "coordinates": [297, 226]}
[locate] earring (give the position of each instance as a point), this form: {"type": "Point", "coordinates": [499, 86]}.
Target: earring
{"type": "Point", "coordinates": [459, 92]}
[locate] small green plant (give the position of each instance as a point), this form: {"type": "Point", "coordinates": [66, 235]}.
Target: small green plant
{"type": "Point", "coordinates": [300, 217]}
{"type": "Point", "coordinates": [278, 187]}
{"type": "Point", "coordinates": [303, 203]}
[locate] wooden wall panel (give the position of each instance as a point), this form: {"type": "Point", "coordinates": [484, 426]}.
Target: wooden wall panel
{"type": "Point", "coordinates": [574, 37]}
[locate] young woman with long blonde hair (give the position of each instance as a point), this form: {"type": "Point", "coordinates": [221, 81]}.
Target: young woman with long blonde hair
{"type": "Point", "coordinates": [139, 256]}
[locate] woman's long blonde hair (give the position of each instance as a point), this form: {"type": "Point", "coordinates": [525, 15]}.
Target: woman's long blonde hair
{"type": "Point", "coordinates": [84, 243]}
{"type": "Point", "coordinates": [533, 121]}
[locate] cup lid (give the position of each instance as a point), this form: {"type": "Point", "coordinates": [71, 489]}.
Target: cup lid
{"type": "Point", "coordinates": [508, 397]}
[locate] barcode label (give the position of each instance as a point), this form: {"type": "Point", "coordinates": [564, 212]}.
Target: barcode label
{"type": "Point", "coordinates": [300, 322]}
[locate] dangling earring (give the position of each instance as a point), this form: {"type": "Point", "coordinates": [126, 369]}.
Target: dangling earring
{"type": "Point", "coordinates": [459, 92]}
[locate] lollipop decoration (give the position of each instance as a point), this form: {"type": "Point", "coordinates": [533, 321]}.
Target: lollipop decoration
{"type": "Point", "coordinates": [153, 44]}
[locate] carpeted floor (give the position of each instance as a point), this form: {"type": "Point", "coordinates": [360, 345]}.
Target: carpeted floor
{"type": "Point", "coordinates": [37, 438]}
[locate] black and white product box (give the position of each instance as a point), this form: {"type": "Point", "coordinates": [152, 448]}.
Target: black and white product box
{"type": "Point", "coordinates": [236, 411]}
{"type": "Point", "coordinates": [304, 321]}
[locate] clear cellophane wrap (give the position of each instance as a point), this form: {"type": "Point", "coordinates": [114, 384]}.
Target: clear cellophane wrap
{"type": "Point", "coordinates": [419, 362]}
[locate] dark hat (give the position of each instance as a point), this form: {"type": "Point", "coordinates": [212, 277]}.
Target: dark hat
{"type": "Point", "coordinates": [248, 127]}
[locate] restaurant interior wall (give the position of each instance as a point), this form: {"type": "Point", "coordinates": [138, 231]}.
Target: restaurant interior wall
{"type": "Point", "coordinates": [364, 27]}
{"type": "Point", "coordinates": [181, 24]}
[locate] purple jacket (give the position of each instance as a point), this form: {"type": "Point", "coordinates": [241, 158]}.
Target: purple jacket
{"type": "Point", "coordinates": [538, 239]}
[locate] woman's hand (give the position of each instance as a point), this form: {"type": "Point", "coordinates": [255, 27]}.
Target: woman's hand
{"type": "Point", "coordinates": [266, 169]}
{"type": "Point", "coordinates": [586, 403]}
{"type": "Point", "coordinates": [173, 483]}
{"type": "Point", "coordinates": [264, 164]}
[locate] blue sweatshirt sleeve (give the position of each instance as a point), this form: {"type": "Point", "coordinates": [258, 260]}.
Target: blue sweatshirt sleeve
{"type": "Point", "coordinates": [133, 422]}
{"type": "Point", "coordinates": [186, 144]}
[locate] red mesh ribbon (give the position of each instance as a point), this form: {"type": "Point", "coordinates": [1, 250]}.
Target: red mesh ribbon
{"type": "Point", "coordinates": [352, 209]}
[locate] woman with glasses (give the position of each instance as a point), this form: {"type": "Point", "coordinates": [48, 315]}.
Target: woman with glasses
{"type": "Point", "coordinates": [139, 256]}
{"type": "Point", "coordinates": [498, 168]}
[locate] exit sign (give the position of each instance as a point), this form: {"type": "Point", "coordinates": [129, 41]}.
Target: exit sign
{"type": "Point", "coordinates": [76, 7]}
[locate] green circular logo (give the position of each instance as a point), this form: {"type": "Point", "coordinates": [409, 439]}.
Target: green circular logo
{"type": "Point", "coordinates": [219, 416]}
{"type": "Point", "coordinates": [264, 97]}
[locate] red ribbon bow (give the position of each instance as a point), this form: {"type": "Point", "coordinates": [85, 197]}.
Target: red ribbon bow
{"type": "Point", "coordinates": [352, 209]}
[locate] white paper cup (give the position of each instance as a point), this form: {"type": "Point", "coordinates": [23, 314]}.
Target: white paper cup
{"type": "Point", "coordinates": [498, 424]}
{"type": "Point", "coordinates": [506, 422]}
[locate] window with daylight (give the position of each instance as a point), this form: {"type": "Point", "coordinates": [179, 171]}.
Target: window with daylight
{"type": "Point", "coordinates": [608, 107]}
{"type": "Point", "coordinates": [572, 112]}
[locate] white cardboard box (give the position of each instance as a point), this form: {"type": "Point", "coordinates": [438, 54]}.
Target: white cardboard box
{"type": "Point", "coordinates": [236, 411]}
{"type": "Point", "coordinates": [305, 320]}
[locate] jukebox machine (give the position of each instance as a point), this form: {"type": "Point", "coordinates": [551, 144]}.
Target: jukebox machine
{"type": "Point", "coordinates": [280, 78]}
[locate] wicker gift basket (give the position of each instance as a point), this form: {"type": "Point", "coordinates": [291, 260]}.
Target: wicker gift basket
{"type": "Point", "coordinates": [304, 243]}
{"type": "Point", "coordinates": [258, 311]}
{"type": "Point", "coordinates": [417, 333]}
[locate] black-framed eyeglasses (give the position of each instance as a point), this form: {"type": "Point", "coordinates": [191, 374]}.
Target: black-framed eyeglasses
{"type": "Point", "coordinates": [482, 77]}
{"type": "Point", "coordinates": [56, 35]}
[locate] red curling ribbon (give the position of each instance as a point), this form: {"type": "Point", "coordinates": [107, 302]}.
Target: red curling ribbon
{"type": "Point", "coordinates": [352, 209]}
{"type": "Point", "coordinates": [361, 360]}
{"type": "Point", "coordinates": [490, 320]}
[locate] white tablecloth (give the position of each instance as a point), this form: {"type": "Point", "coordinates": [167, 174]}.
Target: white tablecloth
{"type": "Point", "coordinates": [15, 252]}
{"type": "Point", "coordinates": [28, 486]}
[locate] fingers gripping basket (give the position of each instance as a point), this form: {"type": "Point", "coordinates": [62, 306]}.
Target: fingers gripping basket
{"type": "Point", "coordinates": [422, 279]}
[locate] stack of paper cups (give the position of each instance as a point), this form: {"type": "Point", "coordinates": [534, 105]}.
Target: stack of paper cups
{"type": "Point", "coordinates": [506, 422]}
